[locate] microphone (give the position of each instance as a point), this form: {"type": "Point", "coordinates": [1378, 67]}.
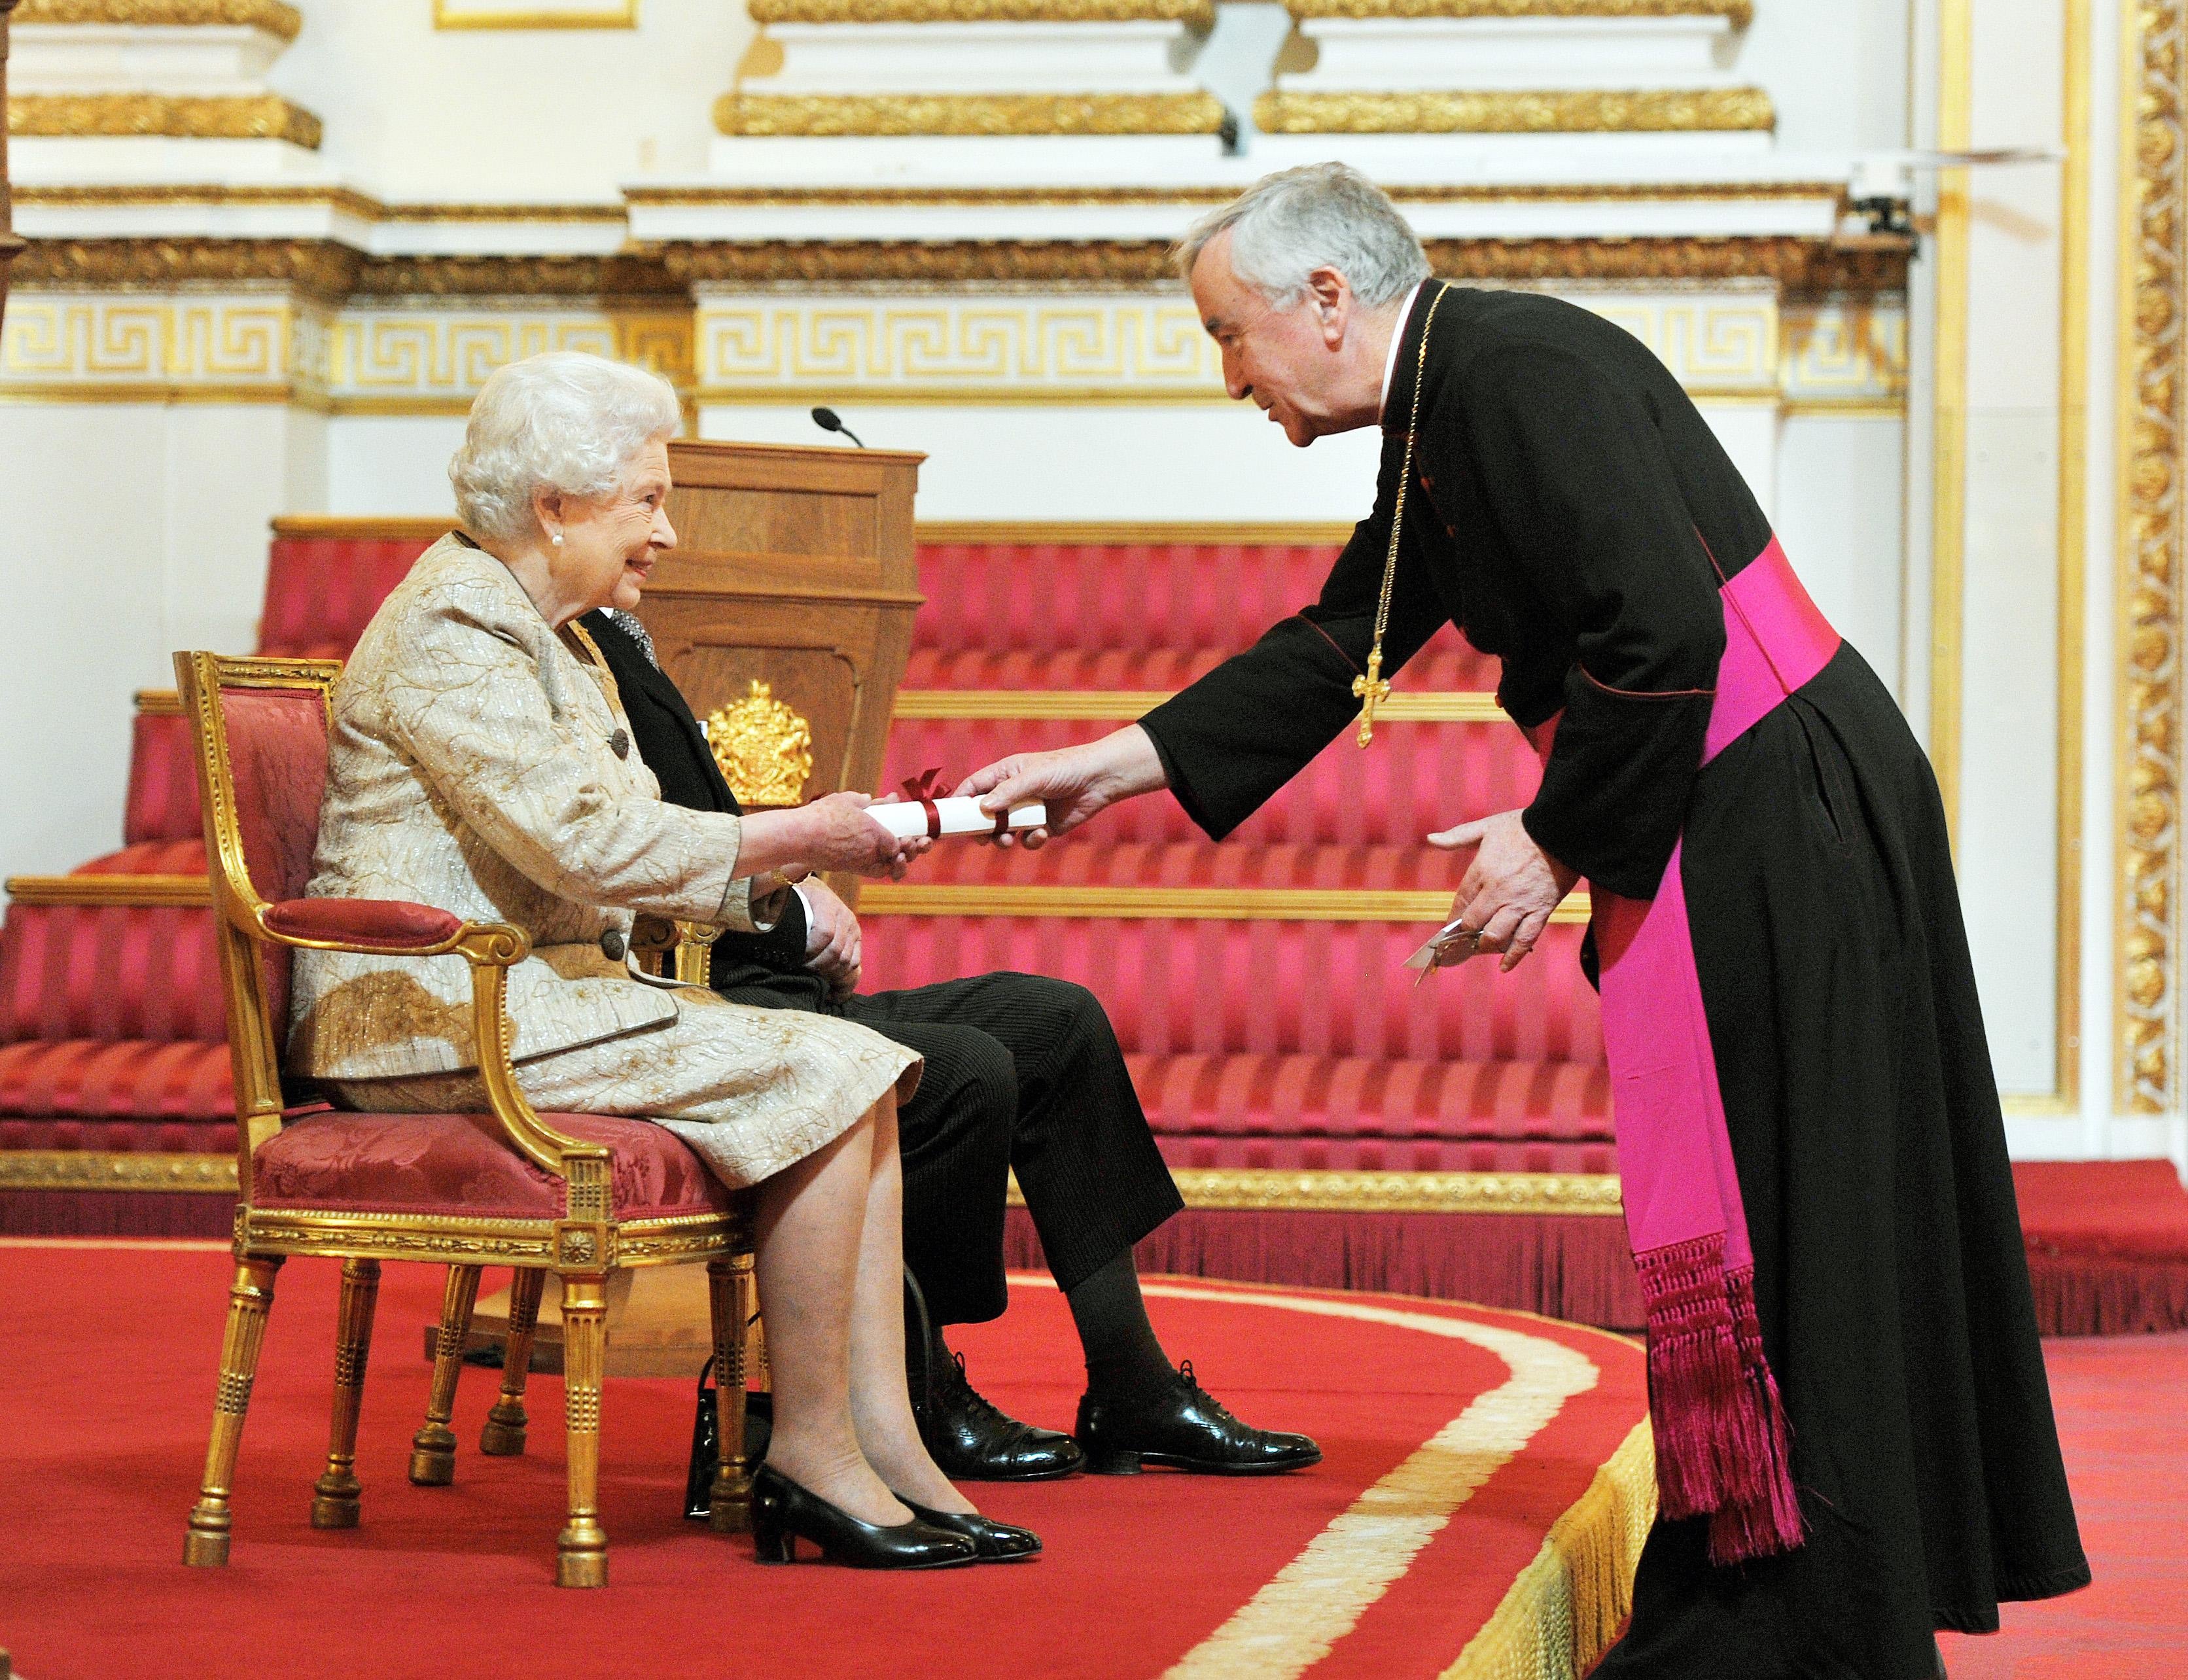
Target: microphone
{"type": "Point", "coordinates": [829, 420]}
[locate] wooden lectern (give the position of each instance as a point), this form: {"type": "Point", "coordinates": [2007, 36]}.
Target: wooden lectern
{"type": "Point", "coordinates": [784, 614]}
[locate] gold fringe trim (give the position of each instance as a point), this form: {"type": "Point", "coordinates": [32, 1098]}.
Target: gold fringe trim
{"type": "Point", "coordinates": [1566, 1607]}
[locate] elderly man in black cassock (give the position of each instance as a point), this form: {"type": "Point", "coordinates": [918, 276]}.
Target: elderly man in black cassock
{"type": "Point", "coordinates": [1854, 1435]}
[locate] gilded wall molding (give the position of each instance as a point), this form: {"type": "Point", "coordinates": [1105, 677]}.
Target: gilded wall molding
{"type": "Point", "coordinates": [102, 1169]}
{"type": "Point", "coordinates": [1271, 1189]}
{"type": "Point", "coordinates": [754, 115]}
{"type": "Point", "coordinates": [1562, 111]}
{"type": "Point", "coordinates": [1199, 14]}
{"type": "Point", "coordinates": [241, 117]}
{"type": "Point", "coordinates": [270, 15]}
{"type": "Point", "coordinates": [1739, 13]}
{"type": "Point", "coordinates": [2153, 430]}
{"type": "Point", "coordinates": [317, 268]}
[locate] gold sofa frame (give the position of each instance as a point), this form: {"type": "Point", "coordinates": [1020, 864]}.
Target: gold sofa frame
{"type": "Point", "coordinates": [581, 1248]}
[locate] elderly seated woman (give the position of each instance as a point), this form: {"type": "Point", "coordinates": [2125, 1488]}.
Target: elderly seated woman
{"type": "Point", "coordinates": [481, 761]}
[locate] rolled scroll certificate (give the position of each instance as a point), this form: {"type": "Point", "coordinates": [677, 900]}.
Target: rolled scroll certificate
{"type": "Point", "coordinates": [937, 818]}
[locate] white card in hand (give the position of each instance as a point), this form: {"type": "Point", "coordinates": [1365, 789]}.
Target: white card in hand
{"type": "Point", "coordinates": [908, 820]}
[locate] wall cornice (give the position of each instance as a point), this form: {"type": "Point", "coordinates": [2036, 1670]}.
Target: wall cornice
{"type": "Point", "coordinates": [1578, 111]}
{"type": "Point", "coordinates": [270, 15]}
{"type": "Point", "coordinates": [752, 115]}
{"type": "Point", "coordinates": [330, 271]}
{"type": "Point", "coordinates": [246, 117]}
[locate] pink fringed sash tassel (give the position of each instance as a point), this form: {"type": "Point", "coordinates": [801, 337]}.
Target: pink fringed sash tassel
{"type": "Point", "coordinates": [1724, 1445]}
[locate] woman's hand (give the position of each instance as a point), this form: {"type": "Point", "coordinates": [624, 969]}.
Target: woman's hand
{"type": "Point", "coordinates": [1509, 889]}
{"type": "Point", "coordinates": [1076, 783]}
{"type": "Point", "coordinates": [832, 833]}
{"type": "Point", "coordinates": [833, 943]}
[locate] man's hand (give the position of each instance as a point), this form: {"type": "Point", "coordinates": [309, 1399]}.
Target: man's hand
{"type": "Point", "coordinates": [1074, 784]}
{"type": "Point", "coordinates": [1509, 889]}
{"type": "Point", "coordinates": [832, 940]}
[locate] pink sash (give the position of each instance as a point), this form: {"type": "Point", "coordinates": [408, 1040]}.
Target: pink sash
{"type": "Point", "coordinates": [1723, 1443]}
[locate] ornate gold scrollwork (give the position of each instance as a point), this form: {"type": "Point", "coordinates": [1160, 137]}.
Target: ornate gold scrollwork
{"type": "Point", "coordinates": [1563, 111]}
{"type": "Point", "coordinates": [974, 114]}
{"type": "Point", "coordinates": [270, 15]}
{"type": "Point", "coordinates": [2154, 531]}
{"type": "Point", "coordinates": [240, 116]}
{"type": "Point", "coordinates": [764, 748]}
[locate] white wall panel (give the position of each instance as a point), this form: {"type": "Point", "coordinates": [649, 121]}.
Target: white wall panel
{"type": "Point", "coordinates": [1841, 496]}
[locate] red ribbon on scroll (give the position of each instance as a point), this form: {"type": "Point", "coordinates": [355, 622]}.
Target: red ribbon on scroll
{"type": "Point", "coordinates": [925, 788]}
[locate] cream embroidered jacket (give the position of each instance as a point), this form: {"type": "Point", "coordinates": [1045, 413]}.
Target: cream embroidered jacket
{"type": "Point", "coordinates": [472, 766]}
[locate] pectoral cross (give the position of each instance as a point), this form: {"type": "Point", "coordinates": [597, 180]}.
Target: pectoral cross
{"type": "Point", "coordinates": [1371, 691]}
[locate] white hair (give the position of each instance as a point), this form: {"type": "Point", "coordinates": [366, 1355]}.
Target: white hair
{"type": "Point", "coordinates": [1321, 216]}
{"type": "Point", "coordinates": [565, 421]}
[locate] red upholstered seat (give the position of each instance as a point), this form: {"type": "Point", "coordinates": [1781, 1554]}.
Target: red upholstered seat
{"type": "Point", "coordinates": [163, 781]}
{"type": "Point", "coordinates": [322, 591]}
{"type": "Point", "coordinates": [461, 1166]}
{"type": "Point", "coordinates": [110, 971]}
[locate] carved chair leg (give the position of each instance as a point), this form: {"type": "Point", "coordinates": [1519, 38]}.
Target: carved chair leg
{"type": "Point", "coordinates": [334, 1501]}
{"type": "Point", "coordinates": [502, 1437]}
{"type": "Point", "coordinates": [250, 1299]}
{"type": "Point", "coordinates": [433, 1448]}
{"type": "Point", "coordinates": [582, 1553]}
{"type": "Point", "coordinates": [730, 1298]}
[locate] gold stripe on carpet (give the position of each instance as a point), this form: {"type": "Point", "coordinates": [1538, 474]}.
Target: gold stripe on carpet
{"type": "Point", "coordinates": [140, 891]}
{"type": "Point", "coordinates": [1205, 904]}
{"type": "Point", "coordinates": [1318, 1598]}
{"type": "Point", "coordinates": [100, 1169]}
{"type": "Point", "coordinates": [1124, 705]}
{"type": "Point", "coordinates": [1566, 1607]}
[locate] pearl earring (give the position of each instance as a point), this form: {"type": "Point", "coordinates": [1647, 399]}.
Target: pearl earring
{"type": "Point", "coordinates": [557, 539]}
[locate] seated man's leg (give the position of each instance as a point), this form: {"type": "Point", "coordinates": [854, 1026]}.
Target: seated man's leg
{"type": "Point", "coordinates": [1095, 1184]}
{"type": "Point", "coordinates": [955, 1140]}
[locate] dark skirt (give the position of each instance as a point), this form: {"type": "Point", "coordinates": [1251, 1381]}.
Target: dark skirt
{"type": "Point", "coordinates": [1889, 1272]}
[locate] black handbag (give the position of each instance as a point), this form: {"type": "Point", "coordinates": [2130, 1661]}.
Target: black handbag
{"type": "Point", "coordinates": [759, 1407]}
{"type": "Point", "coordinates": [706, 1443]}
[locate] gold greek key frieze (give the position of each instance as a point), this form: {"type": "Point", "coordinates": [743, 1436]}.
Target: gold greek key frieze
{"type": "Point", "coordinates": [421, 354]}
{"type": "Point", "coordinates": [2153, 425]}
{"type": "Point", "coordinates": [1852, 352]}
{"type": "Point", "coordinates": [1206, 904]}
{"type": "Point", "coordinates": [758, 115]}
{"type": "Point", "coordinates": [102, 1169]}
{"type": "Point", "coordinates": [222, 116]}
{"type": "Point", "coordinates": [764, 748]}
{"type": "Point", "coordinates": [270, 15]}
{"type": "Point", "coordinates": [1197, 14]}
{"type": "Point", "coordinates": [1266, 1189]}
{"type": "Point", "coordinates": [1739, 13]}
{"type": "Point", "coordinates": [1579, 111]}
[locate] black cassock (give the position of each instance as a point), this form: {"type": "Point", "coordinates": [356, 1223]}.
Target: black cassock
{"type": "Point", "coordinates": [1571, 511]}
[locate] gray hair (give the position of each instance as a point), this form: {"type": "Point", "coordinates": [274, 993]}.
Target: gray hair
{"type": "Point", "coordinates": [1323, 215]}
{"type": "Point", "coordinates": [565, 421]}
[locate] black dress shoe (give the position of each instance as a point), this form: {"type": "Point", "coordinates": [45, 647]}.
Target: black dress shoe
{"type": "Point", "coordinates": [1186, 1428]}
{"type": "Point", "coordinates": [993, 1542]}
{"type": "Point", "coordinates": [971, 1441]}
{"type": "Point", "coordinates": [783, 1512]}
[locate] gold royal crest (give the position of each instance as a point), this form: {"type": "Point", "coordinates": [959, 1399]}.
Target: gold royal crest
{"type": "Point", "coordinates": [764, 748]}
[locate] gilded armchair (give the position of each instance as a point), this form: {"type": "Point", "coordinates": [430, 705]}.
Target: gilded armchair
{"type": "Point", "coordinates": [580, 1196]}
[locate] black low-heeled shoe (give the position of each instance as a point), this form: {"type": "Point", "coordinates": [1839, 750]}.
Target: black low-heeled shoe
{"type": "Point", "coordinates": [993, 1542]}
{"type": "Point", "coordinates": [1186, 1428]}
{"type": "Point", "coordinates": [783, 1512]}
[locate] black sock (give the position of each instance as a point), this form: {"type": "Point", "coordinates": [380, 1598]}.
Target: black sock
{"type": "Point", "coordinates": [1123, 1357]}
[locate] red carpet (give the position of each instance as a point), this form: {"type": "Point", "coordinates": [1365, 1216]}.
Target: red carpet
{"type": "Point", "coordinates": [2122, 1406]}
{"type": "Point", "coordinates": [106, 1367]}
